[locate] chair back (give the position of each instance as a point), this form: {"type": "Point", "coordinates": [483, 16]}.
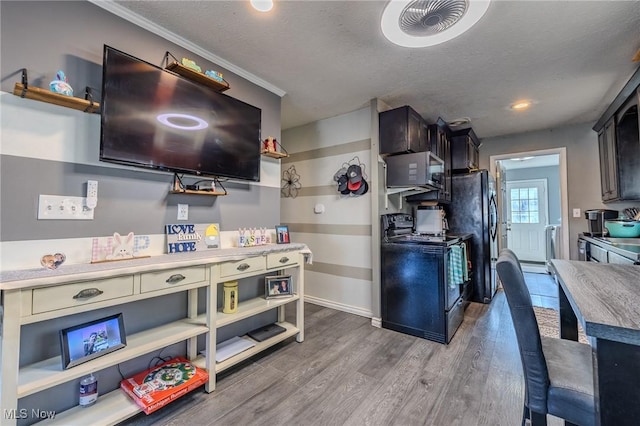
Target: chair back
{"type": "Point", "coordinates": [534, 364]}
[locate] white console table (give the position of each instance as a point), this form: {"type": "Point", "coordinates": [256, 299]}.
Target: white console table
{"type": "Point", "coordinates": [36, 295]}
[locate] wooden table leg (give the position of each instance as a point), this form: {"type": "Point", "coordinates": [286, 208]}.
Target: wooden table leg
{"type": "Point", "coordinates": [568, 320]}
{"type": "Point", "coordinates": [617, 383]}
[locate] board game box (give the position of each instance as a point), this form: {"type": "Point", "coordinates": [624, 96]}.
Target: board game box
{"type": "Point", "coordinates": [154, 388]}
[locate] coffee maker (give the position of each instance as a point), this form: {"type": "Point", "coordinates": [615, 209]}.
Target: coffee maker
{"type": "Point", "coordinates": [596, 218]}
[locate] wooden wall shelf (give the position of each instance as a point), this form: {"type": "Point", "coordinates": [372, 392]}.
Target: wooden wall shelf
{"type": "Point", "coordinates": [178, 188]}
{"type": "Point", "coordinates": [43, 95]}
{"type": "Point", "coordinates": [198, 77]}
{"type": "Point", "coordinates": [275, 154]}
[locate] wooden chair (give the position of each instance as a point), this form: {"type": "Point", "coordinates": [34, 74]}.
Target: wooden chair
{"type": "Point", "coordinates": [558, 374]}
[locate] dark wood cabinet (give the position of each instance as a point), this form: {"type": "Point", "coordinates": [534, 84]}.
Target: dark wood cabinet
{"type": "Point", "coordinates": [619, 145]}
{"type": "Point", "coordinates": [608, 161]}
{"type": "Point", "coordinates": [402, 130]}
{"type": "Point", "coordinates": [465, 151]}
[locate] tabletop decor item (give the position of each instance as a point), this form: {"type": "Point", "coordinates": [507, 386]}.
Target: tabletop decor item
{"type": "Point", "coordinates": [61, 84]}
{"type": "Point", "coordinates": [103, 248]}
{"type": "Point", "coordinates": [282, 234]}
{"type": "Point", "coordinates": [291, 183]}
{"type": "Point", "coordinates": [53, 261]}
{"type": "Point", "coordinates": [192, 237]}
{"type": "Point", "coordinates": [278, 286]}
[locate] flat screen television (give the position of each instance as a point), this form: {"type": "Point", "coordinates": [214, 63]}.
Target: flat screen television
{"type": "Point", "coordinates": [153, 118]}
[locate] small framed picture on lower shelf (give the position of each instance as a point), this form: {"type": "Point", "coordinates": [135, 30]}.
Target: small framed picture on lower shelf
{"type": "Point", "coordinates": [278, 286]}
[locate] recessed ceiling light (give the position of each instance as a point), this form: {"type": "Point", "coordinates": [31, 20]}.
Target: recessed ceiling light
{"type": "Point", "coordinates": [422, 23]}
{"type": "Point", "coordinates": [520, 105]}
{"type": "Point", "coordinates": [262, 5]}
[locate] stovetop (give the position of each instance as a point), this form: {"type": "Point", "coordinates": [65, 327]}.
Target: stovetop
{"type": "Point", "coordinates": [425, 239]}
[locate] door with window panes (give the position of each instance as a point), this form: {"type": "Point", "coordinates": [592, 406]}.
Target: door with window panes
{"type": "Point", "coordinates": [527, 218]}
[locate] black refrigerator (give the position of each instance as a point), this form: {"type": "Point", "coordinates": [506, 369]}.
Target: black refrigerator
{"type": "Point", "coordinates": [473, 209]}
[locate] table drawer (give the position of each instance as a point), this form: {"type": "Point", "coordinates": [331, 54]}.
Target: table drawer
{"type": "Point", "coordinates": [248, 265]}
{"type": "Point", "coordinates": [83, 293]}
{"type": "Point", "coordinates": [281, 260]}
{"type": "Point", "coordinates": [152, 281]}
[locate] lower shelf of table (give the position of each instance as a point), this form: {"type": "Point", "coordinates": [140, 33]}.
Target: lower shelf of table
{"type": "Point", "coordinates": [290, 330]}
{"type": "Point", "coordinates": [116, 406]}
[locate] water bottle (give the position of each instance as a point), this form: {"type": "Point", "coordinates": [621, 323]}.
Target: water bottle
{"type": "Point", "coordinates": [88, 391]}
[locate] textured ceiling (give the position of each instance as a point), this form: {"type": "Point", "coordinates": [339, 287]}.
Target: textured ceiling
{"type": "Point", "coordinates": [330, 57]}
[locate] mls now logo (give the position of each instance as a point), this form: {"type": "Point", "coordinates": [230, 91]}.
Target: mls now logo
{"type": "Point", "coordinates": [23, 413]}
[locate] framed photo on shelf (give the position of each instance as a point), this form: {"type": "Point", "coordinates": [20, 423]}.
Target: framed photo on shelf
{"type": "Point", "coordinates": [278, 286]}
{"type": "Point", "coordinates": [282, 234]}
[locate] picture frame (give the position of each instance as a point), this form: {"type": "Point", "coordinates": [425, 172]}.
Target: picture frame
{"type": "Point", "coordinates": [282, 234]}
{"type": "Point", "coordinates": [90, 340]}
{"type": "Point", "coordinates": [276, 286]}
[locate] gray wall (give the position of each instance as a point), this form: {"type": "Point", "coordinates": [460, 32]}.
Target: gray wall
{"type": "Point", "coordinates": [552, 175]}
{"type": "Point", "coordinates": [583, 167]}
{"type": "Point", "coordinates": [48, 149]}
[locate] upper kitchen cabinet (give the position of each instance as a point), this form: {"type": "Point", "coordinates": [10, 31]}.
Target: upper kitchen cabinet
{"type": "Point", "coordinates": [608, 161]}
{"type": "Point", "coordinates": [402, 130]}
{"type": "Point", "coordinates": [619, 144]}
{"type": "Point", "coordinates": [465, 150]}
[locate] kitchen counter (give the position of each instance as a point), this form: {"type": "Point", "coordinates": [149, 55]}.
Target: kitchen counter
{"type": "Point", "coordinates": [627, 247]}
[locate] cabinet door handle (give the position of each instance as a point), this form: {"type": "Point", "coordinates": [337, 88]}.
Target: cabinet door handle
{"type": "Point", "coordinates": [175, 278]}
{"type": "Point", "coordinates": [284, 259]}
{"type": "Point", "coordinates": [243, 267]}
{"type": "Point", "coordinates": [88, 293]}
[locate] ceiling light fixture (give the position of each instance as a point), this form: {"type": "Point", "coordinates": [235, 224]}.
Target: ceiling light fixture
{"type": "Point", "coordinates": [422, 23]}
{"type": "Point", "coordinates": [262, 5]}
{"type": "Point", "coordinates": [521, 105]}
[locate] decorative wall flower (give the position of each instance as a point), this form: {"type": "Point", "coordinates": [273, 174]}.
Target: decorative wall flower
{"type": "Point", "coordinates": [290, 183]}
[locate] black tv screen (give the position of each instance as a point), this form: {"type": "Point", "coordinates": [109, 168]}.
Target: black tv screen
{"type": "Point", "coordinates": [156, 119]}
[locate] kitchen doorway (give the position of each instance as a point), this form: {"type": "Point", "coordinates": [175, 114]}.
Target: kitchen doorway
{"type": "Point", "coordinates": [549, 165]}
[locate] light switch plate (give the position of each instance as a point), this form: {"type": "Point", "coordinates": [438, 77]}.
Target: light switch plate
{"type": "Point", "coordinates": [64, 208]}
{"type": "Point", "coordinates": [576, 213]}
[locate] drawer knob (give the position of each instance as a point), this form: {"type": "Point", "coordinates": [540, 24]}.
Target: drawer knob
{"type": "Point", "coordinates": [175, 278]}
{"type": "Point", "coordinates": [284, 259]}
{"type": "Point", "coordinates": [88, 293]}
{"type": "Point", "coordinates": [243, 267]}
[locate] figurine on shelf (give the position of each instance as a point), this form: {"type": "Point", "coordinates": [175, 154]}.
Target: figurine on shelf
{"type": "Point", "coordinates": [61, 85]}
{"type": "Point", "coordinates": [189, 63]}
{"type": "Point", "coordinates": [270, 144]}
{"type": "Point", "coordinates": [217, 76]}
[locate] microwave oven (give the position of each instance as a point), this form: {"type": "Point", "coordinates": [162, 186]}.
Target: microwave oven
{"type": "Point", "coordinates": [415, 169]}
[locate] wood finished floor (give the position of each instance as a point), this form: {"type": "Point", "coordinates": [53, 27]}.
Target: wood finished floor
{"type": "Point", "coordinates": [347, 372]}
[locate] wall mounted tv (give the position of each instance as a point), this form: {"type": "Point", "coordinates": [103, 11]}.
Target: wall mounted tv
{"type": "Point", "coordinates": [156, 119]}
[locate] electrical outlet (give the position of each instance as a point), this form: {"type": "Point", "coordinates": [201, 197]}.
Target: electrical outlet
{"type": "Point", "coordinates": [183, 211]}
{"type": "Point", "coordinates": [92, 194]}
{"type": "Point", "coordinates": [576, 213]}
{"type": "Point", "coordinates": [63, 208]}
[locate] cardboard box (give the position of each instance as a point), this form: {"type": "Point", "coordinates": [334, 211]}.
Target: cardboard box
{"type": "Point", "coordinates": [154, 388]}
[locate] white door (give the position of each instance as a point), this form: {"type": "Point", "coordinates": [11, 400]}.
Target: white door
{"type": "Point", "coordinates": [527, 218]}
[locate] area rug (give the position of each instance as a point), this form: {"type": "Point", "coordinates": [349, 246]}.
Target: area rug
{"type": "Point", "coordinates": [548, 323]}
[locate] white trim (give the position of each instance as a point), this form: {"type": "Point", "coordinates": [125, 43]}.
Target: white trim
{"type": "Point", "coordinates": [150, 26]}
{"type": "Point", "coordinates": [564, 193]}
{"type": "Point", "coordinates": [376, 322]}
{"type": "Point", "coordinates": [338, 306]}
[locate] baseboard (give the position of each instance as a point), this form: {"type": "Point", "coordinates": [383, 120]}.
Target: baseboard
{"type": "Point", "coordinates": [339, 306]}
{"type": "Point", "coordinates": [376, 322]}
{"type": "Point", "coordinates": [534, 268]}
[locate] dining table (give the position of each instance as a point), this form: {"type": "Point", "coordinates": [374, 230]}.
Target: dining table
{"type": "Point", "coordinates": [605, 300]}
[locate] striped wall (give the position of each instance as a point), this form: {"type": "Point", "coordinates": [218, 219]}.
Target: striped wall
{"type": "Point", "coordinates": [340, 238]}
{"type": "Point", "coordinates": [52, 150]}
